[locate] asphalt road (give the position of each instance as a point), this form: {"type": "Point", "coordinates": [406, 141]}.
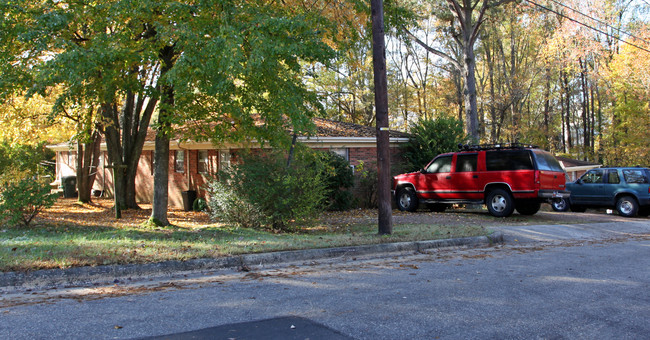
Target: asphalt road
{"type": "Point", "coordinates": [578, 282]}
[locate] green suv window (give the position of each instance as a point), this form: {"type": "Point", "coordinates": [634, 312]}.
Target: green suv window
{"type": "Point", "coordinates": [634, 176]}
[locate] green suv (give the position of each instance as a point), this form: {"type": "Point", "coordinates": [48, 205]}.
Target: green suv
{"type": "Point", "coordinates": [625, 189]}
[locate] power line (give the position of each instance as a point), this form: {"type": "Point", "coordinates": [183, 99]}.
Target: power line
{"type": "Point", "coordinates": [585, 25]}
{"type": "Point", "coordinates": [599, 21]}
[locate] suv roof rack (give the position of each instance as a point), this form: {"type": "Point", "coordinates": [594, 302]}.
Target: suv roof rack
{"type": "Point", "coordinates": [498, 146]}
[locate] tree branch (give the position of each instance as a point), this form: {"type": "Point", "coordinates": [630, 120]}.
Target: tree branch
{"type": "Point", "coordinates": [433, 50]}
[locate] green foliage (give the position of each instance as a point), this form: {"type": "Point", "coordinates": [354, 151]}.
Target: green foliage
{"type": "Point", "coordinates": [338, 176]}
{"type": "Point", "coordinates": [19, 161]}
{"type": "Point", "coordinates": [262, 191]}
{"type": "Point", "coordinates": [367, 177]}
{"type": "Point", "coordinates": [22, 195]}
{"type": "Point", "coordinates": [226, 205]}
{"type": "Point", "coordinates": [430, 138]}
{"type": "Point", "coordinates": [21, 201]}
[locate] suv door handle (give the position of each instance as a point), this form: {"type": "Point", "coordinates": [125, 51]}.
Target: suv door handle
{"type": "Point", "coordinates": [475, 176]}
{"type": "Point", "coordinates": [448, 177]}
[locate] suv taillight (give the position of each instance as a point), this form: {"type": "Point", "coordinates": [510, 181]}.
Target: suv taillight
{"type": "Point", "coordinates": [537, 177]}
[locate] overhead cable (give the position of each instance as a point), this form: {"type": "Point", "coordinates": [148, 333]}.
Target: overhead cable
{"type": "Point", "coordinates": [588, 26]}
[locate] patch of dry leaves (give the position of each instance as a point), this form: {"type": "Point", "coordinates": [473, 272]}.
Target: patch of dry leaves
{"type": "Point", "coordinates": [100, 213]}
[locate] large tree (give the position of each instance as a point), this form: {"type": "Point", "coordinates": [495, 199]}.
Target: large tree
{"type": "Point", "coordinates": [465, 18]}
{"type": "Point", "coordinates": [235, 73]}
{"type": "Point", "coordinates": [99, 56]}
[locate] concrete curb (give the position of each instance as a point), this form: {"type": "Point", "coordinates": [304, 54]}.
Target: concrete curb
{"type": "Point", "coordinates": [88, 275]}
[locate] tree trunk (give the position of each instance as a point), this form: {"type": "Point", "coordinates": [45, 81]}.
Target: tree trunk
{"type": "Point", "coordinates": [585, 108]}
{"type": "Point", "coordinates": [469, 90]}
{"type": "Point", "coordinates": [161, 179]}
{"type": "Point", "coordinates": [161, 153]}
{"type": "Point", "coordinates": [567, 107]}
{"type": "Point", "coordinates": [125, 131]}
{"type": "Point", "coordinates": [547, 107]}
{"type": "Point", "coordinates": [87, 161]}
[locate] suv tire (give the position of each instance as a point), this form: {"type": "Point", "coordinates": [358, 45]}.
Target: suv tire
{"type": "Point", "coordinates": [560, 205]}
{"type": "Point", "coordinates": [500, 203]}
{"type": "Point", "coordinates": [627, 206]}
{"type": "Point", "coordinates": [528, 207]}
{"type": "Point", "coordinates": [406, 199]}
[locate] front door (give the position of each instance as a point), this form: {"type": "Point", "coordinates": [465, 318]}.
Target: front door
{"type": "Point", "coordinates": [590, 188]}
{"type": "Point", "coordinates": [436, 178]}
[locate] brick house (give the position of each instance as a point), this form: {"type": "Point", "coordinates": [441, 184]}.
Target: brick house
{"type": "Point", "coordinates": [192, 164]}
{"type": "Point", "coordinates": [575, 168]}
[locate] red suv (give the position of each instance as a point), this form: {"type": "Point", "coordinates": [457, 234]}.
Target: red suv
{"type": "Point", "coordinates": [505, 177]}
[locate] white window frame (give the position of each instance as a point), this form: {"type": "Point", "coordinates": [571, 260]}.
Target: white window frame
{"type": "Point", "coordinates": [179, 161]}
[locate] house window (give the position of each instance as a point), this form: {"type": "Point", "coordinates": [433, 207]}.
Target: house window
{"type": "Point", "coordinates": [72, 159]}
{"type": "Point", "coordinates": [179, 161]}
{"type": "Point", "coordinates": [202, 161]}
{"type": "Point", "coordinates": [224, 160]}
{"type": "Point", "coordinates": [343, 152]}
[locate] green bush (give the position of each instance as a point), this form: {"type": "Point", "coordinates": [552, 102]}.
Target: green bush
{"type": "Point", "coordinates": [339, 178]}
{"type": "Point", "coordinates": [19, 161]}
{"type": "Point", "coordinates": [431, 138]}
{"type": "Point", "coordinates": [367, 177]}
{"type": "Point", "coordinates": [225, 205]}
{"type": "Point", "coordinates": [270, 192]}
{"type": "Point", "coordinates": [21, 201]}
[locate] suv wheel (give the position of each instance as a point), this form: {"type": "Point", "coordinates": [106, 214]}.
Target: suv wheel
{"type": "Point", "coordinates": [560, 204]}
{"type": "Point", "coordinates": [627, 206]}
{"type": "Point", "coordinates": [499, 203]}
{"type": "Point", "coordinates": [528, 207]}
{"type": "Point", "coordinates": [407, 200]}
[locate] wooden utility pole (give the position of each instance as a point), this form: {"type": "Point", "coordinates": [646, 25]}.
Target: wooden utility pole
{"type": "Point", "coordinates": [381, 112]}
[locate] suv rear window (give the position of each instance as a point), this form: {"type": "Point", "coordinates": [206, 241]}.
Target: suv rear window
{"type": "Point", "coordinates": [634, 176]}
{"type": "Point", "coordinates": [546, 161]}
{"type": "Point", "coordinates": [508, 160]}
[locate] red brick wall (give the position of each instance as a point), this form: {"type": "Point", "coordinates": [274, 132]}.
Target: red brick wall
{"type": "Point", "coordinates": [180, 181]}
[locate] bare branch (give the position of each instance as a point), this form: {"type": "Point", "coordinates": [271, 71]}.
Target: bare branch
{"type": "Point", "coordinates": [433, 50]}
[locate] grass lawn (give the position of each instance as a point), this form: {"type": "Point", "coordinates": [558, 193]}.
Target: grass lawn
{"type": "Point", "coordinates": [70, 234]}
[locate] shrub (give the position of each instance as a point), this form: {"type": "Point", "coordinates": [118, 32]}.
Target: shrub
{"type": "Point", "coordinates": [265, 189]}
{"type": "Point", "coordinates": [430, 138]}
{"type": "Point", "coordinates": [338, 176]}
{"type": "Point", "coordinates": [224, 204]}
{"type": "Point", "coordinates": [18, 161]}
{"type": "Point", "coordinates": [367, 185]}
{"type": "Point", "coordinates": [21, 201]}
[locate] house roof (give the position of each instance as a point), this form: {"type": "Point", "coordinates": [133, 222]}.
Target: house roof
{"type": "Point", "coordinates": [339, 133]}
{"type": "Point", "coordinates": [330, 128]}
{"type": "Point", "coordinates": [571, 164]}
